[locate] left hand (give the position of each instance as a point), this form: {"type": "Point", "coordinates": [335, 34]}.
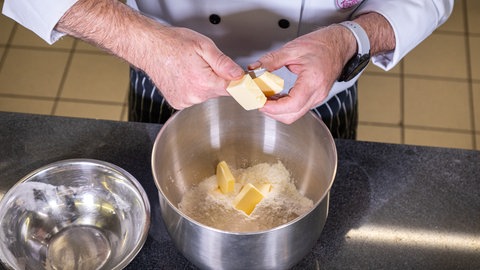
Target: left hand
{"type": "Point", "coordinates": [317, 59]}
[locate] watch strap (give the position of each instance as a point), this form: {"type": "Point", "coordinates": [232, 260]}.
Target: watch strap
{"type": "Point", "coordinates": [360, 60]}
{"type": "Point", "coordinates": [363, 43]}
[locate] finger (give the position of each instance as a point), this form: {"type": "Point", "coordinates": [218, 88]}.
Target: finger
{"type": "Point", "coordinates": [284, 116]}
{"type": "Point", "coordinates": [272, 60]}
{"type": "Point", "coordinates": [255, 65]}
{"type": "Point", "coordinates": [221, 64]}
{"type": "Point", "coordinates": [298, 97]}
{"type": "Point", "coordinates": [287, 118]}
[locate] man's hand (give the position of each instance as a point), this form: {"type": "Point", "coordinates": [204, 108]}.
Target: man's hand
{"type": "Point", "coordinates": [186, 66]}
{"type": "Point", "coordinates": [317, 58]}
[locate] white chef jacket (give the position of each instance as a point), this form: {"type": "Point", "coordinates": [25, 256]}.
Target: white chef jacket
{"type": "Point", "coordinates": [246, 29]}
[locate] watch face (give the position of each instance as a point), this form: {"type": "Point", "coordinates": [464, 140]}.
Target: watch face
{"type": "Point", "coordinates": [353, 67]}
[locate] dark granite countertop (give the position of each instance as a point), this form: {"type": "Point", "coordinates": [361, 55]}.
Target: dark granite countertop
{"type": "Point", "coordinates": [391, 206]}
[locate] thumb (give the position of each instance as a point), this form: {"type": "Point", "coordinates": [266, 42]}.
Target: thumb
{"type": "Point", "coordinates": [270, 61]}
{"type": "Point", "coordinates": [223, 65]}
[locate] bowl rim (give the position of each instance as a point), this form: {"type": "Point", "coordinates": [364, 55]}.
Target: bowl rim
{"type": "Point", "coordinates": [95, 162]}
{"type": "Point", "coordinates": [331, 143]}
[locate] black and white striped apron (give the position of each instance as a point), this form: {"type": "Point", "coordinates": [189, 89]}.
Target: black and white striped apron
{"type": "Point", "coordinates": [146, 104]}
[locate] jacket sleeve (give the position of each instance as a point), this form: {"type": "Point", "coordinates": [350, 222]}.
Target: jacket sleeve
{"type": "Point", "coordinates": [411, 20]}
{"type": "Point", "coordinates": [38, 16]}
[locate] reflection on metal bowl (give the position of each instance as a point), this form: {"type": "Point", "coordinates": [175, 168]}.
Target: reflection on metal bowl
{"type": "Point", "coordinates": [187, 150]}
{"type": "Point", "coordinates": [73, 214]}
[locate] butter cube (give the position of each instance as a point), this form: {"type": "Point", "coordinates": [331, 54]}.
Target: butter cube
{"type": "Point", "coordinates": [247, 93]}
{"type": "Point", "coordinates": [247, 199]}
{"type": "Point", "coordinates": [269, 83]}
{"type": "Point", "coordinates": [225, 179]}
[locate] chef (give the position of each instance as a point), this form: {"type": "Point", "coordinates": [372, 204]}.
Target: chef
{"type": "Point", "coordinates": [183, 52]}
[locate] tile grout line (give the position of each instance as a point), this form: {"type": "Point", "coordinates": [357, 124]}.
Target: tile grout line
{"type": "Point", "coordinates": [402, 102]}
{"type": "Point", "coordinates": [86, 101]}
{"type": "Point", "coordinates": [54, 49]}
{"type": "Point", "coordinates": [419, 127]}
{"type": "Point", "coordinates": [469, 75]}
{"type": "Point", "coordinates": [125, 104]}
{"type": "Point", "coordinates": [7, 46]}
{"type": "Point", "coordinates": [64, 78]}
{"type": "Point", "coordinates": [420, 76]}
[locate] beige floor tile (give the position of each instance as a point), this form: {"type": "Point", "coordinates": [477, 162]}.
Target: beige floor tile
{"type": "Point", "coordinates": [456, 21]}
{"type": "Point", "coordinates": [476, 105]}
{"type": "Point", "coordinates": [379, 99]}
{"type": "Point", "coordinates": [89, 110]}
{"type": "Point", "coordinates": [384, 134]}
{"type": "Point", "coordinates": [6, 26]}
{"type": "Point", "coordinates": [25, 37]}
{"type": "Point", "coordinates": [438, 138]}
{"type": "Point", "coordinates": [475, 56]}
{"type": "Point", "coordinates": [473, 11]}
{"type": "Point", "coordinates": [435, 57]}
{"type": "Point", "coordinates": [32, 72]}
{"type": "Point", "coordinates": [83, 46]}
{"type": "Point", "coordinates": [437, 103]}
{"type": "Point", "coordinates": [26, 105]}
{"type": "Point", "coordinates": [96, 77]}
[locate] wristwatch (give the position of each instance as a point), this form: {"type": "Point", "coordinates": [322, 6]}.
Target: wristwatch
{"type": "Point", "coordinates": [360, 60]}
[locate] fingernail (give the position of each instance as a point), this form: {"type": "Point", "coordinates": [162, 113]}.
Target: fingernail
{"type": "Point", "coordinates": [236, 72]}
{"type": "Point", "coordinates": [255, 65]}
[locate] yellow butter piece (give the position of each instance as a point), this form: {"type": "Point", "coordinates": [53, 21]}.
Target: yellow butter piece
{"type": "Point", "coordinates": [225, 179]}
{"type": "Point", "coordinates": [247, 93]}
{"type": "Point", "coordinates": [247, 199]}
{"type": "Point", "coordinates": [269, 83]}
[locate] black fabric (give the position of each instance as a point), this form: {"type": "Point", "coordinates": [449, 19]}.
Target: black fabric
{"type": "Point", "coordinates": [146, 104]}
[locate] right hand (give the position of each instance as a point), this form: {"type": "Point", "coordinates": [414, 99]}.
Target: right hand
{"type": "Point", "coordinates": [186, 66]}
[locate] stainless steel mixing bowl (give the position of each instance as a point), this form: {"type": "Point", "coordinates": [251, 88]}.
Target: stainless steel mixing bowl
{"type": "Point", "coordinates": [187, 150]}
{"type": "Point", "coordinates": [73, 214]}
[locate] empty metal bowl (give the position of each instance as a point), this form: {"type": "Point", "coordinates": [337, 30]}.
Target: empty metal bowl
{"type": "Point", "coordinates": [187, 150]}
{"type": "Point", "coordinates": [73, 214]}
